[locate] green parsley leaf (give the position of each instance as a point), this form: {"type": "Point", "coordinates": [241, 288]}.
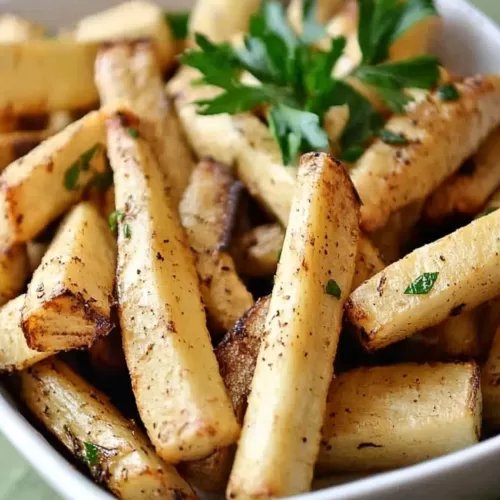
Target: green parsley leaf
{"type": "Point", "coordinates": [238, 100]}
{"type": "Point", "coordinates": [363, 121]}
{"type": "Point", "coordinates": [352, 154]}
{"type": "Point", "coordinates": [390, 79]}
{"type": "Point", "coordinates": [422, 285]}
{"type": "Point", "coordinates": [133, 132]}
{"type": "Point", "coordinates": [378, 20]}
{"type": "Point", "coordinates": [178, 22]}
{"type": "Point", "coordinates": [448, 92]}
{"type": "Point", "coordinates": [295, 77]}
{"type": "Point", "coordinates": [332, 288]}
{"type": "Point", "coordinates": [86, 157]}
{"type": "Point", "coordinates": [71, 176]}
{"type": "Point", "coordinates": [91, 454]}
{"type": "Point", "coordinates": [276, 22]}
{"type": "Point", "coordinates": [393, 138]}
{"type": "Point", "coordinates": [312, 31]}
{"type": "Point", "coordinates": [114, 218]}
{"type": "Point", "coordinates": [127, 232]}
{"type": "Point", "coordinates": [295, 130]}
{"type": "Point", "coordinates": [279, 254]}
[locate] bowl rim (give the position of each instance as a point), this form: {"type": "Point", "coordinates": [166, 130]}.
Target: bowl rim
{"type": "Point", "coordinates": [71, 484]}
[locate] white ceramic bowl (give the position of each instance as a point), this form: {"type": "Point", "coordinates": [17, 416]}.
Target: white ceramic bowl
{"type": "Point", "coordinates": [469, 43]}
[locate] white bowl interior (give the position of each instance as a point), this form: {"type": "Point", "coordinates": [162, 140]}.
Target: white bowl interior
{"type": "Point", "coordinates": [469, 43]}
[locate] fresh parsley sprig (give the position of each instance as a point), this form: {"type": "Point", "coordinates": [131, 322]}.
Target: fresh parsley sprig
{"type": "Point", "coordinates": [296, 83]}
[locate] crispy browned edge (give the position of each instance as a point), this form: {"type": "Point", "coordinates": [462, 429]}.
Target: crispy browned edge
{"type": "Point", "coordinates": [237, 355]}
{"type": "Point", "coordinates": [103, 324]}
{"type": "Point", "coordinates": [231, 196]}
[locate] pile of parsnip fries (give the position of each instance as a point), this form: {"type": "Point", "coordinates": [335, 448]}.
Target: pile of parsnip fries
{"type": "Point", "coordinates": [233, 393]}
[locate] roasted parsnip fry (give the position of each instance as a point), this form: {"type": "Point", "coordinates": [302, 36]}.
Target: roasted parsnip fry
{"type": "Point", "coordinates": [179, 391]}
{"type": "Point", "coordinates": [385, 417]}
{"type": "Point", "coordinates": [40, 76]}
{"type": "Point", "coordinates": [16, 29]}
{"type": "Point", "coordinates": [457, 337]}
{"type": "Point", "coordinates": [368, 262]}
{"type": "Point", "coordinates": [221, 19]}
{"type": "Point", "coordinates": [208, 210]}
{"type": "Point", "coordinates": [260, 168]}
{"type": "Point", "coordinates": [130, 21]}
{"type": "Point", "coordinates": [14, 272]}
{"type": "Point", "coordinates": [69, 298]}
{"type": "Point", "coordinates": [41, 186]}
{"type": "Point", "coordinates": [87, 424]}
{"type": "Point", "coordinates": [469, 189]}
{"type": "Point", "coordinates": [490, 384]}
{"type": "Point", "coordinates": [128, 73]}
{"type": "Point", "coordinates": [447, 277]}
{"type": "Point", "coordinates": [14, 351]}
{"type": "Point", "coordinates": [237, 355]}
{"type": "Point", "coordinates": [439, 137]}
{"type": "Point", "coordinates": [281, 434]}
{"type": "Point", "coordinates": [257, 251]}
{"type": "Point", "coordinates": [210, 136]}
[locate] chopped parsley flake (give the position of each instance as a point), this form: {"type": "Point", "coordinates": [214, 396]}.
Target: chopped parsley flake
{"type": "Point", "coordinates": [71, 177]}
{"type": "Point", "coordinates": [178, 22]}
{"type": "Point", "coordinates": [423, 284]}
{"type": "Point", "coordinates": [332, 288]}
{"type": "Point", "coordinates": [448, 92]}
{"type": "Point", "coordinates": [393, 138]}
{"type": "Point", "coordinates": [114, 218]}
{"type": "Point", "coordinates": [133, 132]}
{"type": "Point", "coordinates": [91, 454]}
{"type": "Point", "coordinates": [127, 232]}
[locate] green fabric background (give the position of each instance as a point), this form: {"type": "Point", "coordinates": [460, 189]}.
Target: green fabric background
{"type": "Point", "coordinates": [18, 481]}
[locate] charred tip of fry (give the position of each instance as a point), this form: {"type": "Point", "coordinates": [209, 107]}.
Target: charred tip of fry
{"type": "Point", "coordinates": [123, 117]}
{"type": "Point", "coordinates": [230, 217]}
{"type": "Point", "coordinates": [240, 330]}
{"type": "Point", "coordinates": [31, 325]}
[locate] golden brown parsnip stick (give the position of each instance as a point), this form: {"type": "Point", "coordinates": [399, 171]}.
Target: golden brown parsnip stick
{"type": "Point", "coordinates": [68, 302]}
{"type": "Point", "coordinates": [128, 73]}
{"type": "Point", "coordinates": [208, 210]}
{"type": "Point", "coordinates": [439, 136]}
{"type": "Point", "coordinates": [41, 186]}
{"type": "Point", "coordinates": [468, 190]}
{"type": "Point", "coordinates": [384, 417]}
{"type": "Point", "coordinates": [113, 448]}
{"type": "Point", "coordinates": [281, 434]}
{"type": "Point", "coordinates": [447, 277]}
{"type": "Point", "coordinates": [176, 381]}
